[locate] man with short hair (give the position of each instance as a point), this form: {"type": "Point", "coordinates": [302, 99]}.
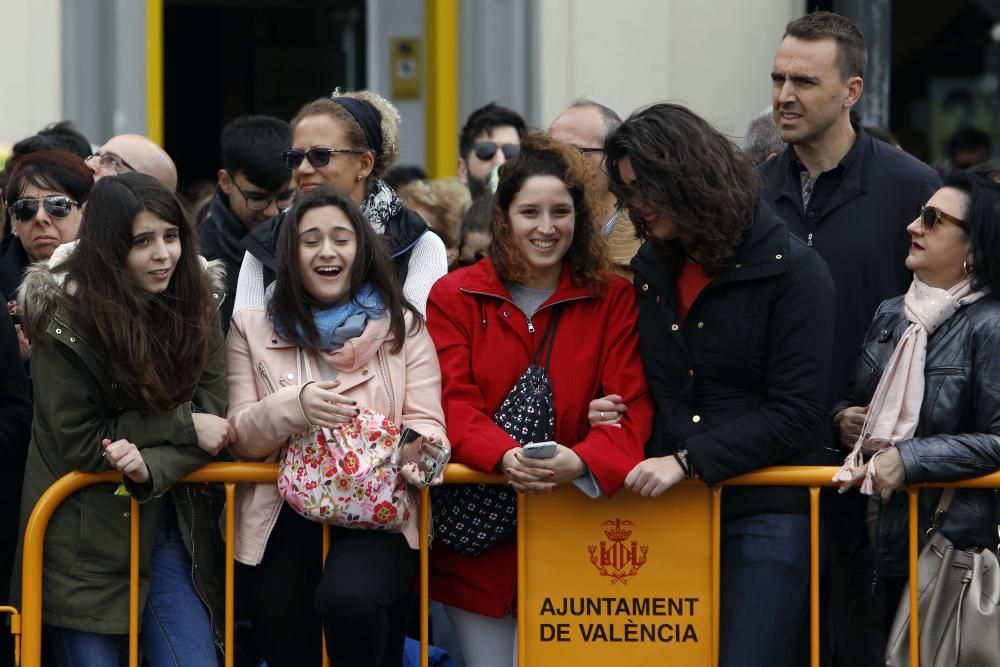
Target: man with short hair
{"type": "Point", "coordinates": [491, 136]}
{"type": "Point", "coordinates": [133, 152]}
{"type": "Point", "coordinates": [254, 185]}
{"type": "Point", "coordinates": [762, 141]}
{"type": "Point", "coordinates": [850, 197]}
{"type": "Point", "coordinates": [585, 126]}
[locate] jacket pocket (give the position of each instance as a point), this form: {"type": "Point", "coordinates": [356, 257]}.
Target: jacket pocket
{"type": "Point", "coordinates": [104, 533]}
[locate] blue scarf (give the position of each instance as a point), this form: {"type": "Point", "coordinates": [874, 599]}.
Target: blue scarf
{"type": "Point", "coordinates": [338, 324]}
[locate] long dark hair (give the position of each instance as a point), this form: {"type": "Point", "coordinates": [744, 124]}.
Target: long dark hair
{"type": "Point", "coordinates": [697, 175]}
{"type": "Point", "coordinates": [291, 306]}
{"type": "Point", "coordinates": [156, 345]}
{"type": "Point", "coordinates": [541, 155]}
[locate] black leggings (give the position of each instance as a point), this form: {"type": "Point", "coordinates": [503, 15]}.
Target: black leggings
{"type": "Point", "coordinates": [362, 595]}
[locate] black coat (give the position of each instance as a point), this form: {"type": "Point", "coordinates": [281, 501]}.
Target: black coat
{"type": "Point", "coordinates": [15, 432]}
{"type": "Point", "coordinates": [13, 261]}
{"type": "Point", "coordinates": [859, 231]}
{"type": "Point", "coordinates": [959, 418]}
{"type": "Point", "coordinates": [220, 234]}
{"type": "Point", "coordinates": [741, 383]}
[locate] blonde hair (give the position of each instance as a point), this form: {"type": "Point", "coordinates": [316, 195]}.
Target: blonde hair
{"type": "Point", "coordinates": [446, 199]}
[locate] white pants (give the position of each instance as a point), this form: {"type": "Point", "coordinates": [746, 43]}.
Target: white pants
{"type": "Point", "coordinates": [485, 641]}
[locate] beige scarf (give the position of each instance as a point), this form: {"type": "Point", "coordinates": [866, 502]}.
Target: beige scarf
{"type": "Point", "coordinates": [895, 407]}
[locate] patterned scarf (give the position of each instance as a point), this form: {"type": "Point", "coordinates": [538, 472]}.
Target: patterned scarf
{"type": "Point", "coordinates": [894, 410]}
{"type": "Point", "coordinates": [338, 324]}
{"type": "Point", "coordinates": [381, 206]}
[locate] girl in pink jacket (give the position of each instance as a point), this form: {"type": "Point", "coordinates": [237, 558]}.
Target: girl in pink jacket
{"type": "Point", "coordinates": [336, 315]}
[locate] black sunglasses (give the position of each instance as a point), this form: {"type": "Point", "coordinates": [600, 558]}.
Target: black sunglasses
{"type": "Point", "coordinates": [260, 201]}
{"type": "Point", "coordinates": [485, 150]}
{"type": "Point", "coordinates": [588, 149]}
{"type": "Point", "coordinates": [58, 206]}
{"type": "Point", "coordinates": [318, 157]}
{"type": "Point", "coordinates": [932, 215]}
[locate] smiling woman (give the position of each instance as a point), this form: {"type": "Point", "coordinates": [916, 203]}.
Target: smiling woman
{"type": "Point", "coordinates": [336, 313]}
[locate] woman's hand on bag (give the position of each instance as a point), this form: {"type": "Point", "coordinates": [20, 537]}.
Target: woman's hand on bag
{"type": "Point", "coordinates": [322, 406]}
{"type": "Point", "coordinates": [523, 478]}
{"type": "Point", "coordinates": [606, 411]}
{"type": "Point", "coordinates": [654, 476]}
{"type": "Point", "coordinates": [125, 457]}
{"type": "Point", "coordinates": [849, 423]}
{"type": "Point", "coordinates": [214, 432]}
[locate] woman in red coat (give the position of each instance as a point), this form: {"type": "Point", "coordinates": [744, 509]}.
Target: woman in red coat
{"type": "Point", "coordinates": [486, 321]}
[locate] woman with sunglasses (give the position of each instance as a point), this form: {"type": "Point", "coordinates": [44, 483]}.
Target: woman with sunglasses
{"type": "Point", "coordinates": [349, 141]}
{"type": "Point", "coordinates": [43, 197]}
{"type": "Point", "coordinates": [735, 321]}
{"type": "Point", "coordinates": [336, 314]}
{"type": "Point", "coordinates": [128, 368]}
{"type": "Point", "coordinates": [925, 402]}
{"type": "Point", "coordinates": [547, 266]}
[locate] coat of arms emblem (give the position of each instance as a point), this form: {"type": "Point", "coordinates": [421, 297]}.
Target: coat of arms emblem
{"type": "Point", "coordinates": [619, 558]}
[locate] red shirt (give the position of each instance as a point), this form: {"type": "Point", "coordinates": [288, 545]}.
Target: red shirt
{"type": "Point", "coordinates": [692, 280]}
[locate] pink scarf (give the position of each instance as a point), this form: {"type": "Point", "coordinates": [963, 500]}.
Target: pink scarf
{"type": "Point", "coordinates": [895, 407]}
{"type": "Point", "coordinates": [356, 352]}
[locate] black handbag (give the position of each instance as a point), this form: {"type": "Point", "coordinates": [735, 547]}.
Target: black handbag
{"type": "Point", "coordinates": [471, 518]}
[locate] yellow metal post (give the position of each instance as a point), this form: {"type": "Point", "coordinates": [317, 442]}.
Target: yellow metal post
{"type": "Point", "coordinates": [814, 576]}
{"type": "Point", "coordinates": [230, 608]}
{"type": "Point", "coordinates": [914, 579]}
{"type": "Point", "coordinates": [441, 109]}
{"type": "Point", "coordinates": [154, 70]}
{"type": "Point", "coordinates": [133, 587]}
{"type": "Point", "coordinates": [425, 525]}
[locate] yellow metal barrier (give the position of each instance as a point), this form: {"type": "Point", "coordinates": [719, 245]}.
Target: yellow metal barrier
{"type": "Point", "coordinates": [27, 627]}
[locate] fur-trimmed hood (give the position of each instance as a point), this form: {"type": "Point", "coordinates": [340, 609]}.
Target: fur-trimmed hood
{"type": "Point", "coordinates": [38, 295]}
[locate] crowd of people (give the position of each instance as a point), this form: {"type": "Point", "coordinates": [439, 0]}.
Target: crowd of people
{"type": "Point", "coordinates": [678, 307]}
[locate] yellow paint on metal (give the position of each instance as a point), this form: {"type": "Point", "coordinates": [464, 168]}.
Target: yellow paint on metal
{"type": "Point", "coordinates": [425, 557]}
{"type": "Point", "coordinates": [230, 613]}
{"type": "Point", "coordinates": [914, 581]}
{"type": "Point", "coordinates": [441, 109]}
{"type": "Point", "coordinates": [133, 579]}
{"type": "Point", "coordinates": [154, 70]}
{"type": "Point", "coordinates": [814, 575]}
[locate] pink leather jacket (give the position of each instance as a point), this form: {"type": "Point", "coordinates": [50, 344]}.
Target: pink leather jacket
{"type": "Point", "coordinates": [264, 408]}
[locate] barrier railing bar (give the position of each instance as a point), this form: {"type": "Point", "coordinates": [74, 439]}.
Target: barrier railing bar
{"type": "Point", "coordinates": [425, 524]}
{"type": "Point", "coordinates": [814, 575]}
{"type": "Point", "coordinates": [27, 627]}
{"type": "Point", "coordinates": [324, 656]}
{"type": "Point", "coordinates": [15, 629]}
{"type": "Point", "coordinates": [914, 582]}
{"type": "Point", "coordinates": [230, 609]}
{"type": "Point", "coordinates": [522, 589]}
{"type": "Point", "coordinates": [133, 586]}
{"type": "Point", "coordinates": [716, 567]}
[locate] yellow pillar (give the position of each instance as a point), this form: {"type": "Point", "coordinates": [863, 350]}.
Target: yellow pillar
{"type": "Point", "coordinates": [441, 29]}
{"type": "Point", "coordinates": [154, 70]}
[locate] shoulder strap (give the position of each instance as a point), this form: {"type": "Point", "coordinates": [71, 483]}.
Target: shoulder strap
{"type": "Point", "coordinates": [548, 340]}
{"type": "Point", "coordinates": [942, 508]}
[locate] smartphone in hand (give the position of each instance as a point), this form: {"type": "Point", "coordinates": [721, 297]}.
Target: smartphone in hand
{"type": "Point", "coordinates": [539, 450]}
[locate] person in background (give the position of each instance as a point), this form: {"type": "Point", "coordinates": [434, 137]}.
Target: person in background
{"type": "Point", "coordinates": [491, 136]}
{"type": "Point", "coordinates": [968, 147]}
{"type": "Point", "coordinates": [349, 141]}
{"type": "Point", "coordinates": [486, 320]}
{"type": "Point", "coordinates": [946, 331]}
{"type": "Point", "coordinates": [735, 327]}
{"type": "Point", "coordinates": [128, 373]}
{"type": "Point", "coordinates": [762, 141]}
{"type": "Point", "coordinates": [402, 174]}
{"type": "Point", "coordinates": [441, 202]}
{"type": "Point", "coordinates": [476, 232]}
{"type": "Point", "coordinates": [586, 125]}
{"type": "Point", "coordinates": [337, 311]}
{"type": "Point", "coordinates": [133, 152]}
{"type": "Point", "coordinates": [254, 185]}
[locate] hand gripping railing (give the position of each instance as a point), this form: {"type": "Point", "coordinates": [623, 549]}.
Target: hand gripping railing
{"type": "Point", "coordinates": [27, 627]}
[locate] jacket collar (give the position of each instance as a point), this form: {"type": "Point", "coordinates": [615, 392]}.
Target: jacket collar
{"type": "Point", "coordinates": [763, 253]}
{"type": "Point", "coordinates": [854, 166]}
{"type": "Point", "coordinates": [482, 278]}
{"type": "Point", "coordinates": [221, 231]}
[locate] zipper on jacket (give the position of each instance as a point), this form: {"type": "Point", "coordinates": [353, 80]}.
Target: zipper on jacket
{"type": "Point", "coordinates": [262, 371]}
{"type": "Point", "coordinates": [531, 327]}
{"type": "Point", "coordinates": [194, 582]}
{"type": "Point", "coordinates": [809, 239]}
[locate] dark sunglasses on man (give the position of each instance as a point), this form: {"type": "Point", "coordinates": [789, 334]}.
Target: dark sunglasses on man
{"type": "Point", "coordinates": [318, 157]}
{"type": "Point", "coordinates": [57, 206]}
{"type": "Point", "coordinates": [485, 150]}
{"type": "Point", "coordinates": [932, 215]}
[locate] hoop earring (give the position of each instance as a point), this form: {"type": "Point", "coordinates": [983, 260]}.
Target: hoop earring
{"type": "Point", "coordinates": [967, 267]}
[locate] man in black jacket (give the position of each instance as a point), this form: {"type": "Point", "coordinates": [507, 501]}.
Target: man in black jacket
{"type": "Point", "coordinates": [850, 197]}
{"type": "Point", "coordinates": [254, 186]}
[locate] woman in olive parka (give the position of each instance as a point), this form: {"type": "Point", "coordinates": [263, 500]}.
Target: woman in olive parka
{"type": "Point", "coordinates": [128, 370]}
